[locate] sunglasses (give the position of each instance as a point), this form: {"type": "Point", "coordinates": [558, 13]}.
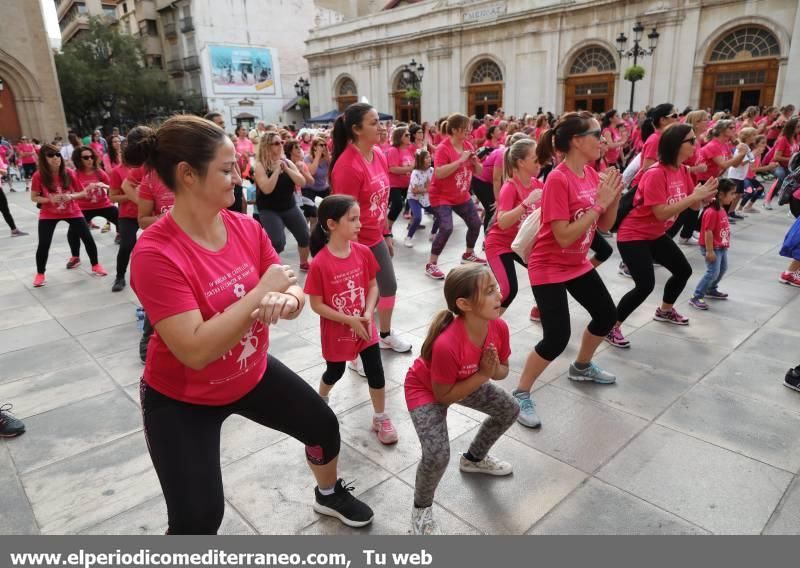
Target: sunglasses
{"type": "Point", "coordinates": [673, 115]}
{"type": "Point", "coordinates": [87, 157]}
{"type": "Point", "coordinates": [595, 133]}
{"type": "Point", "coordinates": [691, 141]}
{"type": "Point", "coordinates": [52, 155]}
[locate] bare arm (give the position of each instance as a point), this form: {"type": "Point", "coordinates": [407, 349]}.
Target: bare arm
{"type": "Point", "coordinates": [497, 181]}
{"type": "Point", "coordinates": [448, 394]}
{"type": "Point", "coordinates": [266, 182]}
{"type": "Point", "coordinates": [291, 170]}
{"type": "Point", "coordinates": [146, 217]}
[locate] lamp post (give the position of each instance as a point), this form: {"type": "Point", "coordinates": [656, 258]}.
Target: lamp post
{"type": "Point", "coordinates": [637, 50]}
{"type": "Point", "coordinates": [412, 74]}
{"type": "Point", "coordinates": [302, 88]}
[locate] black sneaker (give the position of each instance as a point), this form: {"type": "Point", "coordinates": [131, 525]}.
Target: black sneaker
{"type": "Point", "coordinates": [792, 379]}
{"type": "Point", "coordinates": [343, 505]}
{"type": "Point", "coordinates": [10, 427]}
{"type": "Point", "coordinates": [119, 284]}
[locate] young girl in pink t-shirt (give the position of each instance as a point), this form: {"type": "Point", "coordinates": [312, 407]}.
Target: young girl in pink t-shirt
{"type": "Point", "coordinates": [467, 347]}
{"type": "Point", "coordinates": [343, 290]}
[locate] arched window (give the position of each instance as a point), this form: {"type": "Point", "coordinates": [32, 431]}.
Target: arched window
{"type": "Point", "coordinates": [347, 88]}
{"type": "Point", "coordinates": [401, 83]}
{"type": "Point", "coordinates": [486, 72]}
{"type": "Point", "coordinates": [746, 43]}
{"type": "Point", "coordinates": [593, 59]}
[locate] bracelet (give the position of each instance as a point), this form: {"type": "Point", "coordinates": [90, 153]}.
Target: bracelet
{"type": "Point", "coordinates": [299, 303]}
{"type": "Point", "coordinates": [599, 208]}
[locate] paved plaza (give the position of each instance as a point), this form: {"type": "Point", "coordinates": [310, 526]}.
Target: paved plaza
{"type": "Point", "coordinates": [699, 435]}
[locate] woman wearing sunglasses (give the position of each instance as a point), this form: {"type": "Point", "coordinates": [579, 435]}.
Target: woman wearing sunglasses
{"type": "Point", "coordinates": [664, 192]}
{"type": "Point", "coordinates": [57, 190]}
{"type": "Point", "coordinates": [656, 121]}
{"type": "Point", "coordinates": [576, 201]}
{"type": "Point", "coordinates": [96, 203]}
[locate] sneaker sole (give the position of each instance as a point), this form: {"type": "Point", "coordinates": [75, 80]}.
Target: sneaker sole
{"type": "Point", "coordinates": [473, 262]}
{"type": "Point", "coordinates": [532, 426]}
{"type": "Point", "coordinates": [794, 388]}
{"type": "Point", "coordinates": [782, 281]}
{"type": "Point", "coordinates": [39, 285]}
{"type": "Point", "coordinates": [673, 322]}
{"type": "Point", "coordinates": [434, 277]}
{"type": "Point", "coordinates": [382, 346]}
{"type": "Point", "coordinates": [485, 472]}
{"type": "Point", "coordinates": [537, 320]}
{"type": "Point", "coordinates": [12, 435]}
{"type": "Point", "coordinates": [702, 309]}
{"type": "Point", "coordinates": [389, 443]}
{"type": "Point", "coordinates": [624, 274]}
{"type": "Point", "coordinates": [716, 298]}
{"type": "Point", "coordinates": [356, 371]}
{"type": "Point", "coordinates": [618, 345]}
{"type": "Point", "coordinates": [323, 510]}
{"type": "Point", "coordinates": [582, 379]}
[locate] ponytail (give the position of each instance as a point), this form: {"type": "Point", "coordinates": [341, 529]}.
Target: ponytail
{"type": "Point", "coordinates": [441, 320]}
{"type": "Point", "coordinates": [515, 152]}
{"type": "Point", "coordinates": [508, 167]}
{"type": "Point", "coordinates": [343, 130]}
{"type": "Point", "coordinates": [317, 240]}
{"type": "Point", "coordinates": [648, 128]}
{"type": "Point", "coordinates": [653, 120]}
{"type": "Point", "coordinates": [545, 150]}
{"type": "Point", "coordinates": [725, 186]}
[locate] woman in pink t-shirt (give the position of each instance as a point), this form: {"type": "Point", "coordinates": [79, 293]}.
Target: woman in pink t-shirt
{"type": "Point", "coordinates": [656, 120]}
{"type": "Point", "coordinates": [400, 159]}
{"type": "Point", "coordinates": [243, 144]}
{"type": "Point", "coordinates": [359, 168]}
{"type": "Point", "coordinates": [128, 221]}
{"type": "Point", "coordinates": [26, 158]}
{"type": "Point", "coordinates": [454, 164]}
{"type": "Point", "coordinates": [57, 190]}
{"type": "Point", "coordinates": [614, 140]}
{"type": "Point", "coordinates": [467, 348]}
{"type": "Point", "coordinates": [785, 146]}
{"type": "Point", "coordinates": [15, 232]}
{"type": "Point", "coordinates": [575, 202]}
{"type": "Point", "coordinates": [212, 285]}
{"type": "Point", "coordinates": [665, 190]}
{"type": "Point", "coordinates": [342, 289]}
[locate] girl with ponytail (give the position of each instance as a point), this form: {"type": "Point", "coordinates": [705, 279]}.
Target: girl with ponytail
{"type": "Point", "coordinates": [466, 348]}
{"type": "Point", "coordinates": [655, 121]}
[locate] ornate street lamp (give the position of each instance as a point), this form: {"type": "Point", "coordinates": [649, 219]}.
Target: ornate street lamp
{"type": "Point", "coordinates": [302, 89]}
{"type": "Point", "coordinates": [637, 50]}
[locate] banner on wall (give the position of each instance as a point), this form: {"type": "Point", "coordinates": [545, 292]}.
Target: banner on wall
{"type": "Point", "coordinates": [241, 70]}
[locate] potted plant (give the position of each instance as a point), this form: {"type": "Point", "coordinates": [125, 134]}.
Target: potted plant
{"type": "Point", "coordinates": [634, 73]}
{"type": "Point", "coordinates": [413, 94]}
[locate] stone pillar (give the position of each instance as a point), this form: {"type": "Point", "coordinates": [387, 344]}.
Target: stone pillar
{"type": "Point", "coordinates": [788, 87]}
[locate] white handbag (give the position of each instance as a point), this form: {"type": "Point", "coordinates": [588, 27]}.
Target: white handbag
{"type": "Point", "coordinates": [526, 236]}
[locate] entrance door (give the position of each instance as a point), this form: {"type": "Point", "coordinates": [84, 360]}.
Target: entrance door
{"type": "Point", "coordinates": [406, 110]}
{"type": "Point", "coordinates": [723, 100]}
{"type": "Point", "coordinates": [485, 99]}
{"type": "Point", "coordinates": [9, 120]}
{"type": "Point", "coordinates": [749, 97]}
{"type": "Point", "coordinates": [343, 102]}
{"type": "Point", "coordinates": [594, 93]}
{"type": "Point", "coordinates": [736, 86]}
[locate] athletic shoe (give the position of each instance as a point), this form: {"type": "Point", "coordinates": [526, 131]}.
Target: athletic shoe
{"type": "Point", "coordinates": [39, 281]}
{"type": "Point", "coordinates": [433, 271]}
{"type": "Point", "coordinates": [623, 270]}
{"type": "Point", "coordinates": [616, 338]}
{"type": "Point", "coordinates": [118, 239]}
{"type": "Point", "coordinates": [409, 242]}
{"type": "Point", "coordinates": [698, 303]}
{"type": "Point", "coordinates": [106, 228]}
{"type": "Point", "coordinates": [792, 379]}
{"type": "Point", "coordinates": [592, 373]}
{"type": "Point", "coordinates": [342, 505]}
{"type": "Point", "coordinates": [488, 465]}
{"type": "Point", "coordinates": [18, 233]}
{"type": "Point", "coordinates": [527, 410]}
{"type": "Point", "coordinates": [732, 220]}
{"type": "Point", "coordinates": [304, 266]}
{"type": "Point", "coordinates": [468, 257]}
{"type": "Point", "coordinates": [73, 262]}
{"type": "Point", "coordinates": [387, 434]}
{"type": "Point", "coordinates": [431, 237]}
{"type": "Point", "coordinates": [357, 366]}
{"type": "Point", "coordinates": [393, 342]}
{"type": "Point", "coordinates": [98, 270]}
{"type": "Point", "coordinates": [735, 215]}
{"type": "Point", "coordinates": [536, 315]}
{"type": "Point", "coordinates": [422, 523]}
{"type": "Point", "coordinates": [691, 241]}
{"type": "Point", "coordinates": [768, 206]}
{"type": "Point", "coordinates": [10, 427]}
{"type": "Point", "coordinates": [671, 316]}
{"type": "Point", "coordinates": [716, 295]}
{"type": "Point", "coordinates": [119, 284]}
{"type": "Point", "coordinates": [791, 278]}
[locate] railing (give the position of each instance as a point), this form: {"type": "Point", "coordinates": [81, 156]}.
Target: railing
{"type": "Point", "coordinates": [187, 25]}
{"type": "Point", "coordinates": [192, 62]}
{"type": "Point", "coordinates": [175, 67]}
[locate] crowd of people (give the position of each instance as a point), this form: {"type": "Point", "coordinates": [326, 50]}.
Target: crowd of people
{"type": "Point", "coordinates": [211, 281]}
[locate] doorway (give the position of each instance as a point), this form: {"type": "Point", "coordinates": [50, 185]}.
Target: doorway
{"type": "Point", "coordinates": [485, 99]}
{"type": "Point", "coordinates": [736, 86]}
{"type": "Point", "coordinates": [594, 93]}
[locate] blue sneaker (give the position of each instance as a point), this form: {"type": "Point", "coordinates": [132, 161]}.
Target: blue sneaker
{"type": "Point", "coordinates": [591, 373]}
{"type": "Point", "coordinates": [527, 410]}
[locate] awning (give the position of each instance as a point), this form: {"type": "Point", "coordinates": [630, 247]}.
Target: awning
{"type": "Point", "coordinates": [291, 104]}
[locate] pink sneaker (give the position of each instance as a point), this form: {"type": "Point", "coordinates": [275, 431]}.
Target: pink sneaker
{"type": "Point", "coordinates": [98, 270]}
{"type": "Point", "coordinates": [385, 429]}
{"type": "Point", "coordinates": [536, 315]}
{"type": "Point", "coordinates": [73, 262]}
{"type": "Point", "coordinates": [304, 266]}
{"type": "Point", "coordinates": [672, 316]}
{"type": "Point", "coordinates": [616, 338]}
{"type": "Point", "coordinates": [39, 281]}
{"type": "Point", "coordinates": [433, 271]}
{"type": "Point", "coordinates": [791, 278]}
{"type": "Point", "coordinates": [472, 257]}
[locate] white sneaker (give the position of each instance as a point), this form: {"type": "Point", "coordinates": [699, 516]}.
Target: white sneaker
{"type": "Point", "coordinates": [409, 242]}
{"type": "Point", "coordinates": [393, 342]}
{"type": "Point", "coordinates": [488, 465]}
{"type": "Point", "coordinates": [422, 522]}
{"type": "Point", "coordinates": [689, 242]}
{"type": "Point", "coordinates": [357, 366]}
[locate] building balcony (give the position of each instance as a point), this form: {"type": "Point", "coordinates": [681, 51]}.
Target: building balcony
{"type": "Point", "coordinates": [175, 67]}
{"type": "Point", "coordinates": [191, 63]}
{"type": "Point", "coordinates": [170, 30]}
{"type": "Point", "coordinates": [187, 24]}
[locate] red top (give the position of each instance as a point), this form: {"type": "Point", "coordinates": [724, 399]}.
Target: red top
{"type": "Point", "coordinates": [127, 209]}
{"type": "Point", "coordinates": [26, 147]}
{"type": "Point", "coordinates": [68, 210]}
{"type": "Point", "coordinates": [492, 161]}
{"type": "Point", "coordinates": [454, 357]}
{"type": "Point", "coordinates": [566, 197]}
{"type": "Point", "coordinates": [612, 154]}
{"type": "Point", "coordinates": [453, 189]}
{"type": "Point", "coordinates": [716, 221]}
{"type": "Point", "coordinates": [714, 148]}
{"type": "Point", "coordinates": [660, 185]}
{"type": "Point", "coordinates": [649, 152]}
{"type": "Point", "coordinates": [98, 148]}
{"type": "Point", "coordinates": [244, 146]}
{"type": "Point", "coordinates": [398, 158]}
{"type": "Point", "coordinates": [153, 189]}
{"type": "Point", "coordinates": [171, 275]}
{"type": "Point", "coordinates": [98, 199]}
{"type": "Point", "coordinates": [498, 241]}
{"type": "Point", "coordinates": [343, 284]}
{"type": "Point", "coordinates": [369, 184]}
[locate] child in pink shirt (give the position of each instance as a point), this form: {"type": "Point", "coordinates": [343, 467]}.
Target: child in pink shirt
{"type": "Point", "coordinates": [343, 290]}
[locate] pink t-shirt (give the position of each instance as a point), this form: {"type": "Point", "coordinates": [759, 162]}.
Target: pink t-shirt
{"type": "Point", "coordinates": [660, 185]}
{"type": "Point", "coordinates": [649, 152]}
{"type": "Point", "coordinates": [713, 149]}
{"type": "Point", "coordinates": [498, 241]}
{"type": "Point", "coordinates": [492, 161]}
{"type": "Point", "coordinates": [171, 275]}
{"type": "Point", "coordinates": [98, 199]}
{"type": "Point", "coordinates": [26, 147]}
{"type": "Point", "coordinates": [67, 210]}
{"type": "Point", "coordinates": [453, 189]}
{"type": "Point", "coordinates": [783, 146]}
{"type": "Point", "coordinates": [153, 189]}
{"type": "Point", "coordinates": [398, 158]}
{"type": "Point", "coordinates": [566, 197]}
{"type": "Point", "coordinates": [98, 148]}
{"type": "Point", "coordinates": [369, 184]}
{"type": "Point", "coordinates": [612, 154]}
{"type": "Point", "coordinates": [127, 209]}
{"type": "Point", "coordinates": [343, 284]}
{"type": "Point", "coordinates": [716, 221]}
{"type": "Point", "coordinates": [244, 146]}
{"type": "Point", "coordinates": [454, 357]}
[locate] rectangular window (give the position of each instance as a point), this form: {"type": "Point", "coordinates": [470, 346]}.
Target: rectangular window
{"type": "Point", "coordinates": [124, 7]}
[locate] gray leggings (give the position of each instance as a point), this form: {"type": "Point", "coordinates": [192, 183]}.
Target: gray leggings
{"type": "Point", "coordinates": [430, 421]}
{"type": "Point", "coordinates": [275, 221]}
{"type": "Point", "coordinates": [387, 282]}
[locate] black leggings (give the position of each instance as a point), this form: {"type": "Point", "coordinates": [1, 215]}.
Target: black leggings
{"type": "Point", "coordinates": [602, 249]}
{"type": "Point", "coordinates": [638, 256]}
{"type": "Point", "coordinates": [397, 196]}
{"type": "Point", "coordinates": [485, 194]}
{"type": "Point", "coordinates": [794, 207]}
{"type": "Point", "coordinates": [183, 440]}
{"type": "Point", "coordinates": [590, 292]}
{"type": "Point", "coordinates": [373, 367]}
{"type": "Point", "coordinates": [685, 223]}
{"type": "Point", "coordinates": [6, 211]}
{"type": "Point", "coordinates": [508, 284]}
{"type": "Point", "coordinates": [128, 229]}
{"type": "Point", "coordinates": [46, 229]}
{"type": "Point", "coordinates": [110, 213]}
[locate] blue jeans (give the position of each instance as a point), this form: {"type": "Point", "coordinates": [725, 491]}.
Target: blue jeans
{"type": "Point", "coordinates": [714, 272]}
{"type": "Point", "coordinates": [416, 218]}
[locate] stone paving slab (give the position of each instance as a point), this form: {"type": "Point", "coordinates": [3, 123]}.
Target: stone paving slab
{"type": "Point", "coordinates": [698, 435]}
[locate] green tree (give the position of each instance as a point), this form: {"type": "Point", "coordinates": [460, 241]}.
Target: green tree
{"type": "Point", "coordinates": [104, 66]}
